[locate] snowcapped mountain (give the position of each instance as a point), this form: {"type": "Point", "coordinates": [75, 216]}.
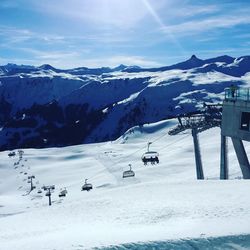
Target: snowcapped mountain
{"type": "Point", "coordinates": [43, 106]}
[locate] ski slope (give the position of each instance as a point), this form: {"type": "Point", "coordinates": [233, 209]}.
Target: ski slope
{"type": "Point", "coordinates": [162, 202]}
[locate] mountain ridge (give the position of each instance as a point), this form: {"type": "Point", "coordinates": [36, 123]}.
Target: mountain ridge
{"type": "Point", "coordinates": [192, 62]}
{"type": "Point", "coordinates": [44, 106]}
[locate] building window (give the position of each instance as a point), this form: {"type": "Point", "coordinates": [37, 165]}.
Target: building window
{"type": "Point", "coordinates": [245, 120]}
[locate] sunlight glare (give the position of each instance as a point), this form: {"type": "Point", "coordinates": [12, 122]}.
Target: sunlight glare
{"type": "Point", "coordinates": [158, 20]}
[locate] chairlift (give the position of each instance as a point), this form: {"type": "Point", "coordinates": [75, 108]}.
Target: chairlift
{"type": "Point", "coordinates": [63, 192]}
{"type": "Point", "coordinates": [39, 191]}
{"type": "Point", "coordinates": [48, 193]}
{"type": "Point", "coordinates": [87, 186]}
{"type": "Point", "coordinates": [12, 154]}
{"type": "Point", "coordinates": [150, 156]}
{"type": "Point", "coordinates": [52, 187]}
{"type": "Point", "coordinates": [29, 181]}
{"type": "Point", "coordinates": [128, 173]}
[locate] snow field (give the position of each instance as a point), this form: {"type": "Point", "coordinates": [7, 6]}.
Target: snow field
{"type": "Point", "coordinates": [162, 202]}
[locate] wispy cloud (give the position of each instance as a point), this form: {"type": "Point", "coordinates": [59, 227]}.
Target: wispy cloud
{"type": "Point", "coordinates": [194, 10]}
{"type": "Point", "coordinates": [93, 33]}
{"type": "Point", "coordinates": [15, 35]}
{"type": "Point", "coordinates": [12, 35]}
{"type": "Point", "coordinates": [50, 55]}
{"type": "Point", "coordinates": [121, 59]}
{"type": "Point", "coordinates": [64, 60]}
{"type": "Point", "coordinates": [112, 61]}
{"type": "Point", "coordinates": [190, 28]}
{"type": "Point", "coordinates": [122, 14]}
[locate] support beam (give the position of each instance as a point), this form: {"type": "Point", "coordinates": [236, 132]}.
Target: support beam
{"type": "Point", "coordinates": [199, 169]}
{"type": "Point", "coordinates": [223, 158]}
{"type": "Point", "coordinates": [242, 157]}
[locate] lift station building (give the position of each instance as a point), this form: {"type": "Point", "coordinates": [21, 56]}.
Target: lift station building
{"type": "Point", "coordinates": [236, 125]}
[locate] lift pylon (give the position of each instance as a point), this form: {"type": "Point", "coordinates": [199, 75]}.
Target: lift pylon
{"type": "Point", "coordinates": [199, 121]}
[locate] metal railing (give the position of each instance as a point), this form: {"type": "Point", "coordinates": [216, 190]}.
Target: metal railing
{"type": "Point", "coordinates": [235, 93]}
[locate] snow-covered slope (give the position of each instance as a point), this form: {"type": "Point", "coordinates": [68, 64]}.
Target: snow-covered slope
{"type": "Point", "coordinates": [39, 105]}
{"type": "Point", "coordinates": [162, 202]}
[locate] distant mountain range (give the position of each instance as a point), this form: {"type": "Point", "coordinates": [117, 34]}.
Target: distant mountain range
{"type": "Point", "coordinates": [44, 106]}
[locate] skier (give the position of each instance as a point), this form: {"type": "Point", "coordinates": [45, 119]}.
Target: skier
{"type": "Point", "coordinates": [233, 89]}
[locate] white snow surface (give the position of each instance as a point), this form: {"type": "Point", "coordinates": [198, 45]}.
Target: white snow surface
{"type": "Point", "coordinates": [162, 202]}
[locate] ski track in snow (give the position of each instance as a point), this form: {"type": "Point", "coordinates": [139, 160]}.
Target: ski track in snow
{"type": "Point", "coordinates": [162, 203]}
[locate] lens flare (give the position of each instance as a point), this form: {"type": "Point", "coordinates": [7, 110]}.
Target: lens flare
{"type": "Point", "coordinates": [162, 25]}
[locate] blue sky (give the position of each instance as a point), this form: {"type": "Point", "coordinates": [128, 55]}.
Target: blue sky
{"type": "Point", "coordinates": [94, 33]}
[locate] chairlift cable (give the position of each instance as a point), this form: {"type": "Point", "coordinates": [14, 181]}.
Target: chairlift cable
{"type": "Point", "coordinates": [155, 141]}
{"type": "Point", "coordinates": [138, 150]}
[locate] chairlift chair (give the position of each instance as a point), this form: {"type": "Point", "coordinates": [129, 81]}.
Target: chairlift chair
{"type": "Point", "coordinates": [150, 156]}
{"type": "Point", "coordinates": [63, 193]}
{"type": "Point", "coordinates": [52, 187]}
{"type": "Point", "coordinates": [87, 186]}
{"type": "Point", "coordinates": [39, 191]}
{"type": "Point", "coordinates": [11, 154]}
{"type": "Point", "coordinates": [45, 188]}
{"type": "Point", "coordinates": [128, 173]}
